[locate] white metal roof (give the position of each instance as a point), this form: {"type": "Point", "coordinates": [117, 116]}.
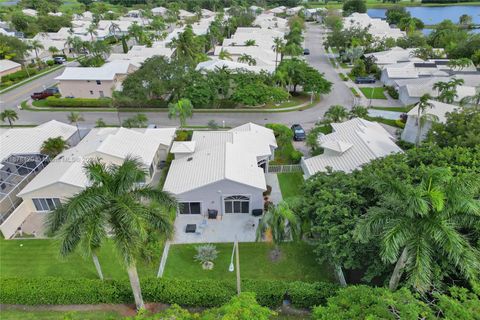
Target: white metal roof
{"type": "Point", "coordinates": [30, 140]}
{"type": "Point", "coordinates": [350, 145]}
{"type": "Point", "coordinates": [438, 109]}
{"type": "Point", "coordinates": [183, 147]}
{"type": "Point", "coordinates": [222, 155]}
{"type": "Point", "coordinates": [8, 64]}
{"type": "Point", "coordinates": [106, 72]}
{"type": "Point", "coordinates": [111, 144]}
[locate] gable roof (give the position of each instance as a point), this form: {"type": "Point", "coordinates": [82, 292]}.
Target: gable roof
{"type": "Point", "coordinates": [114, 143]}
{"type": "Point", "coordinates": [30, 140]}
{"type": "Point", "coordinates": [438, 109]}
{"type": "Point", "coordinates": [222, 155]}
{"type": "Point", "coordinates": [350, 145]}
{"type": "Point", "coordinates": [8, 64]}
{"type": "Point", "coordinates": [106, 72]}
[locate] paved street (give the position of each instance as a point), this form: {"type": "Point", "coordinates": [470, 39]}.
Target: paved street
{"type": "Point", "coordinates": [317, 58]}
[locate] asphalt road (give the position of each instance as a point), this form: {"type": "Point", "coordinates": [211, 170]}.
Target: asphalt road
{"type": "Point", "coordinates": [318, 58]}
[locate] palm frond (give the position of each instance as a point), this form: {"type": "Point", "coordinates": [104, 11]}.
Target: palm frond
{"type": "Point", "coordinates": [165, 199]}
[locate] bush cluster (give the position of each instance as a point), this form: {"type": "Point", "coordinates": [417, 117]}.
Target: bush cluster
{"type": "Point", "coordinates": [392, 92]}
{"type": "Point", "coordinates": [19, 75]}
{"type": "Point", "coordinates": [78, 102]}
{"type": "Point", "coordinates": [190, 293]}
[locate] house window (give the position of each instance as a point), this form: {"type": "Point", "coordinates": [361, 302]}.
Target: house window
{"type": "Point", "coordinates": [47, 204]}
{"type": "Point", "coordinates": [91, 92]}
{"type": "Point", "coordinates": [237, 204]}
{"type": "Point", "coordinates": [101, 94]}
{"type": "Point", "coordinates": [189, 207]}
{"type": "Point", "coordinates": [99, 82]}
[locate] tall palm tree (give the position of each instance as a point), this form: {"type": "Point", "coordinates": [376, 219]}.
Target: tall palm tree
{"type": "Point", "coordinates": [248, 59]}
{"type": "Point", "coordinates": [185, 45]}
{"type": "Point", "coordinates": [282, 223]}
{"type": "Point", "coordinates": [474, 100]}
{"type": "Point", "coordinates": [92, 30]}
{"type": "Point", "coordinates": [53, 50]}
{"type": "Point", "coordinates": [53, 146]}
{"type": "Point", "coordinates": [423, 116]}
{"type": "Point", "coordinates": [359, 112]}
{"type": "Point", "coordinates": [113, 28]}
{"type": "Point", "coordinates": [114, 203]}
{"type": "Point", "coordinates": [35, 45]}
{"type": "Point", "coordinates": [250, 42]}
{"type": "Point", "coordinates": [225, 55]}
{"type": "Point", "coordinates": [336, 113]}
{"type": "Point", "coordinates": [278, 46]}
{"type": "Point", "coordinates": [181, 110]}
{"type": "Point", "coordinates": [136, 31]}
{"type": "Point", "coordinates": [418, 222]}
{"type": "Point", "coordinates": [10, 115]}
{"type": "Point", "coordinates": [76, 117]}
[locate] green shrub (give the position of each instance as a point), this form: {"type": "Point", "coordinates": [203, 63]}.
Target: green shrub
{"type": "Point", "coordinates": [19, 75]}
{"type": "Point", "coordinates": [399, 123]}
{"type": "Point", "coordinates": [126, 102]}
{"type": "Point", "coordinates": [306, 295]}
{"type": "Point", "coordinates": [191, 293]}
{"type": "Point", "coordinates": [78, 102]}
{"type": "Point", "coordinates": [50, 62]}
{"type": "Point", "coordinates": [184, 135]}
{"type": "Point", "coordinates": [296, 156]}
{"type": "Point", "coordinates": [392, 92]}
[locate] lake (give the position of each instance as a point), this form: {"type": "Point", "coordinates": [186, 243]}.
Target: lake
{"type": "Point", "coordinates": [435, 15]}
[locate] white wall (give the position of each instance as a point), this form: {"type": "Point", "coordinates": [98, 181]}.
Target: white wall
{"type": "Point", "coordinates": [411, 128]}
{"type": "Point", "coordinates": [210, 197]}
{"type": "Point", "coordinates": [82, 88]}
{"type": "Point", "coordinates": [15, 220]}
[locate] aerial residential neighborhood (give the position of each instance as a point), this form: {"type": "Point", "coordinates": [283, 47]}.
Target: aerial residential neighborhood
{"type": "Point", "coordinates": [284, 159]}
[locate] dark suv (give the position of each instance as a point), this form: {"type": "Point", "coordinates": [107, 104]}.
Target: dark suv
{"type": "Point", "coordinates": [359, 80]}
{"type": "Point", "coordinates": [44, 94]}
{"type": "Point", "coordinates": [298, 132]}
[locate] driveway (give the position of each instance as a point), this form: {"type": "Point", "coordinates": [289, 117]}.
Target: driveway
{"type": "Point", "coordinates": [340, 94]}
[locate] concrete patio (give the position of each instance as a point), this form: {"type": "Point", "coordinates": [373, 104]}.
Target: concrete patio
{"type": "Point", "coordinates": [243, 226]}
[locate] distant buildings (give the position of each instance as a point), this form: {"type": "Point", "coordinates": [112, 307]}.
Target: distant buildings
{"type": "Point", "coordinates": [378, 28]}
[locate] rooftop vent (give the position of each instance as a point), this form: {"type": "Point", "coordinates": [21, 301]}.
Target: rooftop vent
{"type": "Point", "coordinates": [190, 159]}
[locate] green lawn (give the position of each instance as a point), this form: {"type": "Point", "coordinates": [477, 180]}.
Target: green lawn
{"type": "Point", "coordinates": [41, 258]}
{"type": "Point", "coordinates": [297, 262]}
{"type": "Point", "coordinates": [58, 315]}
{"type": "Point", "coordinates": [290, 184]}
{"type": "Point", "coordinates": [373, 92]}
{"type": "Point", "coordinates": [355, 92]}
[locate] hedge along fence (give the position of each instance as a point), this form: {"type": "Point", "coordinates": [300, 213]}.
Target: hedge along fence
{"type": "Point", "coordinates": [78, 102]}
{"type": "Point", "coordinates": [188, 293]}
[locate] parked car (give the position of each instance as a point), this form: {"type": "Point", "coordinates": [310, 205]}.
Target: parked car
{"type": "Point", "coordinates": [59, 60]}
{"type": "Point", "coordinates": [306, 51]}
{"type": "Point", "coordinates": [44, 94]}
{"type": "Point", "coordinates": [298, 132]}
{"type": "Point", "coordinates": [359, 80]}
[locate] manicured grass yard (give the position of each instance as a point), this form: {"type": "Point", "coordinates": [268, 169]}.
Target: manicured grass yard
{"type": "Point", "coordinates": [290, 184]}
{"type": "Point", "coordinates": [58, 315]}
{"type": "Point", "coordinates": [297, 262]}
{"type": "Point", "coordinates": [41, 258]}
{"type": "Point", "coordinates": [373, 93]}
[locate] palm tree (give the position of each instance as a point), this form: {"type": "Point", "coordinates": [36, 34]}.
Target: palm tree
{"type": "Point", "coordinates": [75, 117]}
{"type": "Point", "coordinates": [358, 112]}
{"type": "Point", "coordinates": [115, 204]}
{"type": "Point", "coordinates": [336, 113]}
{"type": "Point", "coordinates": [92, 30]}
{"type": "Point", "coordinates": [278, 47]}
{"type": "Point", "coordinates": [418, 222]}
{"type": "Point", "coordinates": [282, 223]}
{"type": "Point", "coordinates": [185, 45]}
{"type": "Point", "coordinates": [136, 31]}
{"type": "Point", "coordinates": [250, 42]}
{"type": "Point", "coordinates": [35, 45]}
{"type": "Point", "coordinates": [293, 49]}
{"type": "Point", "coordinates": [53, 50]}
{"type": "Point", "coordinates": [181, 110]}
{"type": "Point", "coordinates": [248, 59]}
{"type": "Point", "coordinates": [353, 53]}
{"type": "Point", "coordinates": [113, 28]}
{"type": "Point", "coordinates": [53, 146]}
{"type": "Point", "coordinates": [100, 123]}
{"type": "Point", "coordinates": [10, 115]}
{"type": "Point", "coordinates": [422, 116]}
{"type": "Point", "coordinates": [225, 55]}
{"type": "Point", "coordinates": [474, 100]}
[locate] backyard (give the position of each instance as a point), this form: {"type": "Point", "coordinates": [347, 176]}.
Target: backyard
{"type": "Point", "coordinates": [296, 262]}
{"type": "Point", "coordinates": [41, 258]}
{"type": "Point", "coordinates": [290, 184]}
{"type": "Point", "coordinates": [373, 92]}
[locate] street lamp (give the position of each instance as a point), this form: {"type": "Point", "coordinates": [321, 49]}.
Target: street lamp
{"type": "Point", "coordinates": [231, 268]}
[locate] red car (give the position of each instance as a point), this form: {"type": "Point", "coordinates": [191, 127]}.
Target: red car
{"type": "Point", "coordinates": [44, 94]}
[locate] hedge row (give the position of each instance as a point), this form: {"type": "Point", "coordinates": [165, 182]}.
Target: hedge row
{"type": "Point", "coordinates": [188, 293]}
{"type": "Point", "coordinates": [78, 102]}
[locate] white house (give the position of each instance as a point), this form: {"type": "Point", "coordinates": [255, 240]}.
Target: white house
{"type": "Point", "coordinates": [378, 28]}
{"type": "Point", "coordinates": [293, 11]}
{"type": "Point", "coordinates": [20, 160]}
{"type": "Point", "coordinates": [65, 176]}
{"type": "Point", "coordinates": [9, 66]}
{"type": "Point", "coordinates": [437, 113]}
{"type": "Point", "coordinates": [159, 11]}
{"type": "Point", "coordinates": [138, 54]}
{"type": "Point", "coordinates": [278, 10]}
{"type": "Point", "coordinates": [221, 170]}
{"type": "Point", "coordinates": [393, 56]}
{"type": "Point", "coordinates": [216, 64]}
{"type": "Point", "coordinates": [94, 82]}
{"type": "Point", "coordinates": [352, 144]}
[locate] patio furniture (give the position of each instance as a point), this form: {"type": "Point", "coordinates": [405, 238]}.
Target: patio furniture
{"type": "Point", "coordinates": [257, 212]}
{"type": "Point", "coordinates": [191, 228]}
{"type": "Point", "coordinates": [212, 214]}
